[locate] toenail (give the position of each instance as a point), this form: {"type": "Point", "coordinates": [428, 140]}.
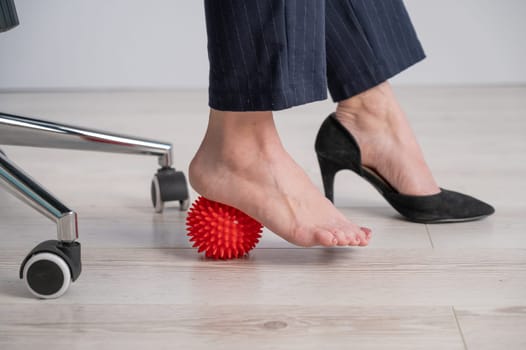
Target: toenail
{"type": "Point", "coordinates": [367, 232]}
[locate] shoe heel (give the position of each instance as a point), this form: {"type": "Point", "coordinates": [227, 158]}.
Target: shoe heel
{"type": "Point", "coordinates": [328, 169]}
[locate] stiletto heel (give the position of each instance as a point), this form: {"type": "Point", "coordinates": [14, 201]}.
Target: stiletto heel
{"type": "Point", "coordinates": [337, 149]}
{"type": "Point", "coordinates": [328, 169]}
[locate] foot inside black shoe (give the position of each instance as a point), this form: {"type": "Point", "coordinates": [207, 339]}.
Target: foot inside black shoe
{"type": "Point", "coordinates": [337, 149]}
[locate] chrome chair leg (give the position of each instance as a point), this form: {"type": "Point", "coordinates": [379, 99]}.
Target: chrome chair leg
{"type": "Point", "coordinates": [20, 184]}
{"type": "Point", "coordinates": [167, 184]}
{"type": "Point", "coordinates": [24, 131]}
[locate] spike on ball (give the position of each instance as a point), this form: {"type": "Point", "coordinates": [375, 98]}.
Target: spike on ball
{"type": "Point", "coordinates": [221, 231]}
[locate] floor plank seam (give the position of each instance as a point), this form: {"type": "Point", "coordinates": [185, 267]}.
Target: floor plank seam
{"type": "Point", "coordinates": [429, 236]}
{"type": "Point", "coordinates": [459, 328]}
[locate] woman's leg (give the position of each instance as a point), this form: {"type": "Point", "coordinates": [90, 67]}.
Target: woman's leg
{"type": "Point", "coordinates": [266, 55]}
{"type": "Point", "coordinates": [367, 43]}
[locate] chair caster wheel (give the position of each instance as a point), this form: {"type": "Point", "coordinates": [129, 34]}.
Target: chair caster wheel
{"type": "Point", "coordinates": [169, 185]}
{"type": "Point", "coordinates": [50, 267]}
{"type": "Point", "coordinates": [47, 275]}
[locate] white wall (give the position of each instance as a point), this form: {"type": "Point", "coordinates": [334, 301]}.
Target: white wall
{"type": "Point", "coordinates": [162, 44]}
{"type": "Point", "coordinates": [469, 41]}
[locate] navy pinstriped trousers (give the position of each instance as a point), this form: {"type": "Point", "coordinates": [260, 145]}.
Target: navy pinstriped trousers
{"type": "Point", "coordinates": [274, 54]}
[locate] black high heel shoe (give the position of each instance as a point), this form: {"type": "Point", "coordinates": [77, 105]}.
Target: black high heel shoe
{"type": "Point", "coordinates": [337, 149]}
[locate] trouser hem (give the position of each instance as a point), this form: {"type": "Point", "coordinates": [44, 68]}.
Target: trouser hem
{"type": "Point", "coordinates": [365, 81]}
{"type": "Point", "coordinates": [236, 101]}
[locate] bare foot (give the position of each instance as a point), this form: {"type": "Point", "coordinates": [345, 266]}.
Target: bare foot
{"type": "Point", "coordinates": [242, 163]}
{"type": "Point", "coordinates": [386, 140]}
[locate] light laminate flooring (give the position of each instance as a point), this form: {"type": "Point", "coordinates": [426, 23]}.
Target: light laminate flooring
{"type": "Point", "coordinates": [449, 286]}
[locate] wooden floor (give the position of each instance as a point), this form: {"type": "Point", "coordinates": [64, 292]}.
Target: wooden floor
{"type": "Point", "coordinates": [449, 286]}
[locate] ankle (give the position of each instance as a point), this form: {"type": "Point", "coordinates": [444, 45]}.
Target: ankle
{"type": "Point", "coordinates": [236, 129]}
{"type": "Point", "coordinates": [375, 102]}
{"type": "Point", "coordinates": [373, 110]}
{"type": "Point", "coordinates": [238, 140]}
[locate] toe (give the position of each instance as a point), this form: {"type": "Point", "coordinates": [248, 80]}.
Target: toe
{"type": "Point", "coordinates": [368, 233]}
{"type": "Point", "coordinates": [325, 238]}
{"type": "Point", "coordinates": [367, 230]}
{"type": "Point", "coordinates": [351, 237]}
{"type": "Point", "coordinates": [357, 237]}
{"type": "Point", "coordinates": [362, 237]}
{"type": "Point", "coordinates": [355, 241]}
{"type": "Point", "coordinates": [342, 237]}
{"type": "Point", "coordinates": [364, 243]}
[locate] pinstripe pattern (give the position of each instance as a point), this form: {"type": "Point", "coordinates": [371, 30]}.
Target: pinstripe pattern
{"type": "Point", "coordinates": [275, 54]}
{"type": "Point", "coordinates": [8, 16]}
{"type": "Point", "coordinates": [380, 42]}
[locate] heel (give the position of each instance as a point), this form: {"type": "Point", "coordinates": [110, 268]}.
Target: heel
{"type": "Point", "coordinates": [328, 168]}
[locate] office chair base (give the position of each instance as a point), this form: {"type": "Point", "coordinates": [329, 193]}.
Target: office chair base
{"type": "Point", "coordinates": [45, 268]}
{"type": "Point", "coordinates": [50, 268]}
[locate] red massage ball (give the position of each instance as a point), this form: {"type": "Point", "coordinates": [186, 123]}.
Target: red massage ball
{"type": "Point", "coordinates": [221, 231]}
